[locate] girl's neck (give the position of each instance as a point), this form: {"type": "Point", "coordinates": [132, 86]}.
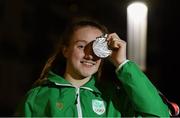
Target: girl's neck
{"type": "Point", "coordinates": [76, 82]}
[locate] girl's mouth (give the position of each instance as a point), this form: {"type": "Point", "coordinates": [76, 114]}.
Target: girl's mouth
{"type": "Point", "coordinates": [88, 63]}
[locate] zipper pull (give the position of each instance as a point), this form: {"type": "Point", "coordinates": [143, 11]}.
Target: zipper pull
{"type": "Point", "coordinates": [76, 101]}
{"type": "Point", "coordinates": [77, 95]}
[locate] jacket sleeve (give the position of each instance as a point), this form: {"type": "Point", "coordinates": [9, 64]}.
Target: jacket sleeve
{"type": "Point", "coordinates": [141, 92]}
{"type": "Point", "coordinates": [25, 108]}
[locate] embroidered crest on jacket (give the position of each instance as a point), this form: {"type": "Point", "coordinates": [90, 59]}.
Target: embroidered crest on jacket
{"type": "Point", "coordinates": [98, 106]}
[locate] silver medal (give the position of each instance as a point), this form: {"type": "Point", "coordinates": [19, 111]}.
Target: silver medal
{"type": "Point", "coordinates": [100, 47]}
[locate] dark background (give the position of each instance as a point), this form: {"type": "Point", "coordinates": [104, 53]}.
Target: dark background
{"type": "Point", "coordinates": [30, 28]}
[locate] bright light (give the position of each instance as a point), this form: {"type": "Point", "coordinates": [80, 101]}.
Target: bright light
{"type": "Point", "coordinates": [137, 10]}
{"type": "Point", "coordinates": [137, 30]}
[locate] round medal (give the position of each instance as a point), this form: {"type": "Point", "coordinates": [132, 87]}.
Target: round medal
{"type": "Point", "coordinates": [100, 47]}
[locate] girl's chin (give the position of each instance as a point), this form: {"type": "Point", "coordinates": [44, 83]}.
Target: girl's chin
{"type": "Point", "coordinates": [87, 74]}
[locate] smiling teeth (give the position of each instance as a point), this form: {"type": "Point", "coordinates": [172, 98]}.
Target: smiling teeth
{"type": "Point", "coordinates": [87, 63]}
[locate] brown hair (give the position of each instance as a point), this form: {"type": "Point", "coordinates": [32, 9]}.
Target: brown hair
{"type": "Point", "coordinates": [57, 61]}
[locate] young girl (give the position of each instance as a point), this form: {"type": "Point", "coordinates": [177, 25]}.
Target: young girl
{"type": "Point", "coordinates": [76, 89]}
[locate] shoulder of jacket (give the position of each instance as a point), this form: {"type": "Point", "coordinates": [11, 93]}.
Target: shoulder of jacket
{"type": "Point", "coordinates": [36, 87]}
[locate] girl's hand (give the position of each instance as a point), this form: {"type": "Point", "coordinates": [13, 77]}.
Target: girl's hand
{"type": "Point", "coordinates": [118, 47]}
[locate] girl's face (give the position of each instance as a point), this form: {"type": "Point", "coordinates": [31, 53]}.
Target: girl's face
{"type": "Point", "coordinates": [81, 62]}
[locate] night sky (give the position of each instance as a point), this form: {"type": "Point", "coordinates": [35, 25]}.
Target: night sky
{"type": "Point", "coordinates": [29, 29]}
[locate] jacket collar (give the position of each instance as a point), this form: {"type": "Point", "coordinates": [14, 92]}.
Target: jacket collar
{"type": "Point", "coordinates": [60, 81]}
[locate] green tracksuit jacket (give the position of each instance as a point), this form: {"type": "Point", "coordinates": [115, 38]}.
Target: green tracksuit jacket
{"type": "Point", "coordinates": [56, 97]}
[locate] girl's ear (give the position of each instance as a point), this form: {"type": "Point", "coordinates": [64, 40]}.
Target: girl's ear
{"type": "Point", "coordinates": [65, 51]}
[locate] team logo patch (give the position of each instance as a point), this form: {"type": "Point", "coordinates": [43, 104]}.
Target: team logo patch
{"type": "Point", "coordinates": [59, 105]}
{"type": "Point", "coordinates": [98, 106]}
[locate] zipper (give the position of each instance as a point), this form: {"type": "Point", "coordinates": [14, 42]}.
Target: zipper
{"type": "Point", "coordinates": [78, 104]}
{"type": "Point", "coordinates": [77, 97]}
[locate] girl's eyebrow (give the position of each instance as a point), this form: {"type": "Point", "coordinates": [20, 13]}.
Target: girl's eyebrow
{"type": "Point", "coordinates": [81, 41]}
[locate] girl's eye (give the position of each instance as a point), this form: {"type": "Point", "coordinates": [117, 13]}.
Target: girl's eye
{"type": "Point", "coordinates": [81, 46]}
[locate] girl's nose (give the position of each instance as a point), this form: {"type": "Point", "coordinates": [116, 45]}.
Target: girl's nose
{"type": "Point", "coordinates": [89, 54]}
